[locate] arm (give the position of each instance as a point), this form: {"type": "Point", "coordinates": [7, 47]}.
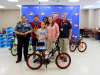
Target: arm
{"type": "Point", "coordinates": [70, 32]}
{"type": "Point", "coordinates": [31, 30]}
{"type": "Point", "coordinates": [44, 37]}
{"type": "Point", "coordinates": [16, 32]}
{"type": "Point", "coordinates": [57, 32]}
{"type": "Point", "coordinates": [70, 21]}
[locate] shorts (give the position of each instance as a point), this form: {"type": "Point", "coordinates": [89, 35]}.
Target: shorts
{"type": "Point", "coordinates": [34, 42]}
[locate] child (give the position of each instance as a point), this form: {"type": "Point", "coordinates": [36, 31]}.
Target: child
{"type": "Point", "coordinates": [41, 35]}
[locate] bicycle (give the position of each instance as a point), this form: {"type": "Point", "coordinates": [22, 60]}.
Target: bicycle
{"type": "Point", "coordinates": [78, 44]}
{"type": "Point", "coordinates": [14, 47]}
{"type": "Point", "coordinates": [36, 63]}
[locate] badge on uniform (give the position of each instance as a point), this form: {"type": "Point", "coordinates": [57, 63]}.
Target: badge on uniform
{"type": "Point", "coordinates": [26, 25]}
{"type": "Point", "coordinates": [65, 23]}
{"type": "Point", "coordinates": [61, 29]}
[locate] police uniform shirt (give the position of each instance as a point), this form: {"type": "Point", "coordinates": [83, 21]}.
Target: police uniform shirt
{"type": "Point", "coordinates": [23, 27]}
{"type": "Point", "coordinates": [65, 32]}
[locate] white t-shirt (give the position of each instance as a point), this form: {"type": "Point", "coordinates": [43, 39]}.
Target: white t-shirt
{"type": "Point", "coordinates": [42, 33]}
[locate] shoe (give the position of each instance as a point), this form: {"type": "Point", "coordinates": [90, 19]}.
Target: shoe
{"type": "Point", "coordinates": [18, 61]}
{"type": "Point", "coordinates": [52, 57]}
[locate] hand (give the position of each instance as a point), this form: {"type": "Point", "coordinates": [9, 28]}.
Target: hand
{"type": "Point", "coordinates": [55, 40]}
{"type": "Point", "coordinates": [39, 38]}
{"type": "Point", "coordinates": [21, 33]}
{"type": "Point", "coordinates": [18, 22]}
{"type": "Point", "coordinates": [25, 33]}
{"type": "Point", "coordinates": [69, 38]}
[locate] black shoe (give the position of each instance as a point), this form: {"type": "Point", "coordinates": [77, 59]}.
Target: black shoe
{"type": "Point", "coordinates": [18, 61]}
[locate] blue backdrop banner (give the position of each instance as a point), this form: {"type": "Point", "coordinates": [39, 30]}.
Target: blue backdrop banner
{"type": "Point", "coordinates": [72, 12]}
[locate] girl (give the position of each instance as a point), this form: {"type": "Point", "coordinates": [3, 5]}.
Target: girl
{"type": "Point", "coordinates": [41, 35]}
{"type": "Point", "coordinates": [52, 34]}
{"type": "Point", "coordinates": [45, 20]}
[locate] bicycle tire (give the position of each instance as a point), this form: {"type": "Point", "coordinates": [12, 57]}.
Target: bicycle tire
{"type": "Point", "coordinates": [12, 49]}
{"type": "Point", "coordinates": [71, 46]}
{"type": "Point", "coordinates": [28, 64]}
{"type": "Point", "coordinates": [57, 59]}
{"type": "Point", "coordinates": [84, 49]}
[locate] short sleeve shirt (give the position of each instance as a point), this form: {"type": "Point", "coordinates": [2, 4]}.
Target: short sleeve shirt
{"type": "Point", "coordinates": [41, 33]}
{"type": "Point", "coordinates": [65, 32]}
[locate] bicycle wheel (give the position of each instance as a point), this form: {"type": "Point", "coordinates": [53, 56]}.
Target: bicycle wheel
{"type": "Point", "coordinates": [82, 47]}
{"type": "Point", "coordinates": [72, 46]}
{"type": "Point", "coordinates": [30, 50]}
{"type": "Point", "coordinates": [63, 60]}
{"type": "Point", "coordinates": [34, 61]}
{"type": "Point", "coordinates": [14, 50]}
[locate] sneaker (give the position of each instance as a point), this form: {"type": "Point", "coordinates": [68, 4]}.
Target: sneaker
{"type": "Point", "coordinates": [52, 57]}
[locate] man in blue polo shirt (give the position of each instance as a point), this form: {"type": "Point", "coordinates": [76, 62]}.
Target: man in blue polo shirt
{"type": "Point", "coordinates": [65, 28]}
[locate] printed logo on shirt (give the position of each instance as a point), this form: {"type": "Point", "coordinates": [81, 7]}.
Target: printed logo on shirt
{"type": "Point", "coordinates": [42, 33]}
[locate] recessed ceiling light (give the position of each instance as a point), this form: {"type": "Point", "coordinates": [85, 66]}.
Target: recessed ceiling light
{"type": "Point", "coordinates": [88, 6]}
{"type": "Point", "coordinates": [98, 2]}
{"type": "Point", "coordinates": [73, 0]}
{"type": "Point", "coordinates": [13, 0]}
{"type": "Point", "coordinates": [19, 5]}
{"type": "Point", "coordinates": [2, 6]}
{"type": "Point", "coordinates": [43, 0]}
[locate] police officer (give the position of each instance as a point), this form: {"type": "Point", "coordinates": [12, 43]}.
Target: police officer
{"type": "Point", "coordinates": [23, 31]}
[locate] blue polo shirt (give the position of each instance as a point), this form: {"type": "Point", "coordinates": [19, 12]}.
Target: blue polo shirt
{"type": "Point", "coordinates": [65, 32]}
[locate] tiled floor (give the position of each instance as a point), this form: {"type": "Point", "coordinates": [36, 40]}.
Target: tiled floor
{"type": "Point", "coordinates": [87, 63]}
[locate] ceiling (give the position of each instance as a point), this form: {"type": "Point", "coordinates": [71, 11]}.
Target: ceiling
{"type": "Point", "coordinates": [12, 5]}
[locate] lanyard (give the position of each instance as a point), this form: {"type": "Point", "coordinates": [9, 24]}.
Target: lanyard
{"type": "Point", "coordinates": [63, 23]}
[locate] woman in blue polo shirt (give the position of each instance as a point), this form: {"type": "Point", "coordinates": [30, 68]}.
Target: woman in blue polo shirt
{"type": "Point", "coordinates": [65, 29]}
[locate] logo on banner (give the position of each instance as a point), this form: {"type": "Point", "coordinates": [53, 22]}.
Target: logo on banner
{"type": "Point", "coordinates": [75, 25]}
{"type": "Point", "coordinates": [71, 7]}
{"type": "Point", "coordinates": [76, 13]}
{"type": "Point", "coordinates": [36, 7]}
{"type": "Point", "coordinates": [59, 7]}
{"type": "Point", "coordinates": [30, 13]}
{"type": "Point", "coordinates": [52, 13]}
{"type": "Point", "coordinates": [65, 13]}
{"type": "Point", "coordinates": [42, 13]}
{"type": "Point", "coordinates": [25, 7]}
{"type": "Point", "coordinates": [48, 7]}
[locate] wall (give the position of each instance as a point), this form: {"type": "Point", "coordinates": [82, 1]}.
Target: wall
{"type": "Point", "coordinates": [97, 17]}
{"type": "Point", "coordinates": [82, 18]}
{"type": "Point", "coordinates": [9, 18]}
{"type": "Point", "coordinates": [90, 18]}
{"type": "Point", "coordinates": [0, 21]}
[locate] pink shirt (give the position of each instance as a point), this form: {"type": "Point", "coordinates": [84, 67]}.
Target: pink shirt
{"type": "Point", "coordinates": [52, 32]}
